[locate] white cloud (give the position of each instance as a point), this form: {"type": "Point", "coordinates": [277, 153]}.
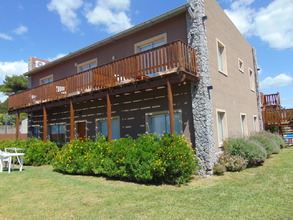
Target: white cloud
{"type": "Point", "coordinates": [5, 36]}
{"type": "Point", "coordinates": [57, 56]}
{"type": "Point", "coordinates": [20, 30]}
{"type": "Point", "coordinates": [111, 13]}
{"type": "Point", "coordinates": [280, 80]}
{"type": "Point", "coordinates": [9, 69]}
{"type": "Point", "coordinates": [273, 24]}
{"type": "Point", "coordinates": [66, 10]}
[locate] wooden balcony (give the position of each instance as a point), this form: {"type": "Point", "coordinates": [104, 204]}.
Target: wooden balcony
{"type": "Point", "coordinates": [271, 101]}
{"type": "Point", "coordinates": [277, 117]}
{"type": "Point", "coordinates": [173, 57]}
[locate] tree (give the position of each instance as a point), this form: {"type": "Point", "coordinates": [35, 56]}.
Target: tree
{"type": "Point", "coordinates": [13, 84]}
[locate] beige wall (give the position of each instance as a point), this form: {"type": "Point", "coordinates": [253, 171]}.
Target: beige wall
{"type": "Point", "coordinates": [230, 92]}
{"type": "Point", "coordinates": [118, 49]}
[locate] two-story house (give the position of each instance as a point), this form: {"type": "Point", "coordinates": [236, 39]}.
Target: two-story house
{"type": "Point", "coordinates": [188, 71]}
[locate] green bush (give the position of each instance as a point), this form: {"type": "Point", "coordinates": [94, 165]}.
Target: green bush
{"type": "Point", "coordinates": [276, 137]}
{"type": "Point", "coordinates": [249, 150]}
{"type": "Point", "coordinates": [219, 169]}
{"type": "Point", "coordinates": [39, 153]}
{"type": "Point", "coordinates": [73, 158]}
{"type": "Point", "coordinates": [36, 151]}
{"type": "Point", "coordinates": [232, 163]}
{"type": "Point", "coordinates": [148, 159]}
{"type": "Point", "coordinates": [267, 143]}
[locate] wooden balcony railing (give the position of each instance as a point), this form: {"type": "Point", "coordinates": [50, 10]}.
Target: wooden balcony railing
{"type": "Point", "coordinates": [277, 117]}
{"type": "Point", "coordinates": [271, 99]}
{"type": "Point", "coordinates": [160, 60]}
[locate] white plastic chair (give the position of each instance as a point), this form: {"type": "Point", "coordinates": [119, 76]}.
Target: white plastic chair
{"type": "Point", "coordinates": [5, 158]}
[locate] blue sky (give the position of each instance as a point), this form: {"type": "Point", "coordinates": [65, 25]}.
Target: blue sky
{"type": "Point", "coordinates": [49, 29]}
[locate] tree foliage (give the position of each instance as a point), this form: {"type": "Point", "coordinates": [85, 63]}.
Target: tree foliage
{"type": "Point", "coordinates": [13, 84]}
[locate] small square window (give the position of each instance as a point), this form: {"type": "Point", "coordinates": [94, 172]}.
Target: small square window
{"type": "Point", "coordinates": [87, 65]}
{"type": "Point", "coordinates": [46, 80]}
{"type": "Point", "coordinates": [150, 43]}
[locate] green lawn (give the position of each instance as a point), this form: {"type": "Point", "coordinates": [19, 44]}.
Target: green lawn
{"type": "Point", "coordinates": [259, 193]}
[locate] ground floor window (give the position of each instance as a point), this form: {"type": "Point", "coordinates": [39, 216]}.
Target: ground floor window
{"type": "Point", "coordinates": [159, 123]}
{"type": "Point", "coordinates": [222, 126]}
{"type": "Point", "coordinates": [35, 131]}
{"type": "Point", "coordinates": [243, 124]}
{"type": "Point", "coordinates": [102, 127]}
{"type": "Point", "coordinates": [58, 133]}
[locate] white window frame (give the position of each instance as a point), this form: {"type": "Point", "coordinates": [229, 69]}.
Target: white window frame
{"type": "Point", "coordinates": [223, 61]}
{"type": "Point", "coordinates": [86, 63]}
{"type": "Point", "coordinates": [150, 40]}
{"type": "Point", "coordinates": [149, 114]}
{"type": "Point", "coordinates": [243, 124]}
{"type": "Point", "coordinates": [224, 126]}
{"type": "Point", "coordinates": [240, 65]}
{"type": "Point", "coordinates": [46, 78]}
{"type": "Point", "coordinates": [251, 79]}
{"type": "Point", "coordinates": [106, 119]}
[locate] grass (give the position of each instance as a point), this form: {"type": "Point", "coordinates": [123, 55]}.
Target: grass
{"type": "Point", "coordinates": [258, 193]}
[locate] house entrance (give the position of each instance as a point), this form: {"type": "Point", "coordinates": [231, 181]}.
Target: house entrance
{"type": "Point", "coordinates": [81, 130]}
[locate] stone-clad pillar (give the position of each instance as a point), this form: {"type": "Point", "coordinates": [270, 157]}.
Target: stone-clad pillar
{"type": "Point", "coordinates": [257, 90]}
{"type": "Point", "coordinates": [201, 99]}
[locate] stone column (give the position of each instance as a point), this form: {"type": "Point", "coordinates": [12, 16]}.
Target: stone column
{"type": "Point", "coordinates": [201, 99]}
{"type": "Point", "coordinates": [257, 90]}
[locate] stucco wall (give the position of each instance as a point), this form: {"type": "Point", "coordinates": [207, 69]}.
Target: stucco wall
{"type": "Point", "coordinates": [118, 49]}
{"type": "Point", "coordinates": [230, 92]}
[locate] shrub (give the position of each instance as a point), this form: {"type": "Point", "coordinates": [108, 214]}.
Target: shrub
{"type": "Point", "coordinates": [36, 151]}
{"type": "Point", "coordinates": [276, 137]}
{"type": "Point", "coordinates": [232, 163]}
{"type": "Point", "coordinates": [39, 153]}
{"type": "Point", "coordinates": [267, 143]}
{"type": "Point", "coordinates": [73, 158]}
{"type": "Point", "coordinates": [148, 159]}
{"type": "Point", "coordinates": [249, 150]}
{"type": "Point", "coordinates": [219, 169]}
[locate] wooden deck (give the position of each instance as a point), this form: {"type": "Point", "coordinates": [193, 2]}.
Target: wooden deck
{"type": "Point", "coordinates": [272, 112]}
{"type": "Point", "coordinates": [172, 57]}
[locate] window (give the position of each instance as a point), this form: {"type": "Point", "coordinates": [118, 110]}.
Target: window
{"type": "Point", "coordinates": [159, 123]}
{"type": "Point", "coordinates": [102, 127]}
{"type": "Point", "coordinates": [222, 60]}
{"type": "Point", "coordinates": [46, 80]}
{"type": "Point", "coordinates": [87, 65]}
{"type": "Point", "coordinates": [243, 124]}
{"type": "Point", "coordinates": [222, 126]}
{"type": "Point", "coordinates": [36, 132]}
{"type": "Point", "coordinates": [240, 65]}
{"type": "Point", "coordinates": [150, 43]}
{"type": "Point", "coordinates": [251, 80]}
{"type": "Point", "coordinates": [254, 123]}
{"type": "Point", "coordinates": [58, 133]}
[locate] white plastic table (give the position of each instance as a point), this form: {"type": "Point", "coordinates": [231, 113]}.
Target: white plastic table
{"type": "Point", "coordinates": [9, 155]}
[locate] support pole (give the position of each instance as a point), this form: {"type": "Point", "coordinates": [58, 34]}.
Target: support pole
{"type": "Point", "coordinates": [171, 108]}
{"type": "Point", "coordinates": [45, 126]}
{"type": "Point", "coordinates": [109, 115]}
{"type": "Point", "coordinates": [17, 126]}
{"type": "Point", "coordinates": [71, 121]}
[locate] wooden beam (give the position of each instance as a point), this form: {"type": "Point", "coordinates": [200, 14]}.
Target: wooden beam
{"type": "Point", "coordinates": [17, 126]}
{"type": "Point", "coordinates": [171, 108]}
{"type": "Point", "coordinates": [45, 125]}
{"type": "Point", "coordinates": [71, 121]}
{"type": "Point", "coordinates": [109, 115]}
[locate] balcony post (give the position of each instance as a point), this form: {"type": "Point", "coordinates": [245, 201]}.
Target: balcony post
{"type": "Point", "coordinates": [17, 126]}
{"type": "Point", "coordinates": [171, 108]}
{"type": "Point", "coordinates": [109, 116]}
{"type": "Point", "coordinates": [71, 121]}
{"type": "Point", "coordinates": [45, 126]}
